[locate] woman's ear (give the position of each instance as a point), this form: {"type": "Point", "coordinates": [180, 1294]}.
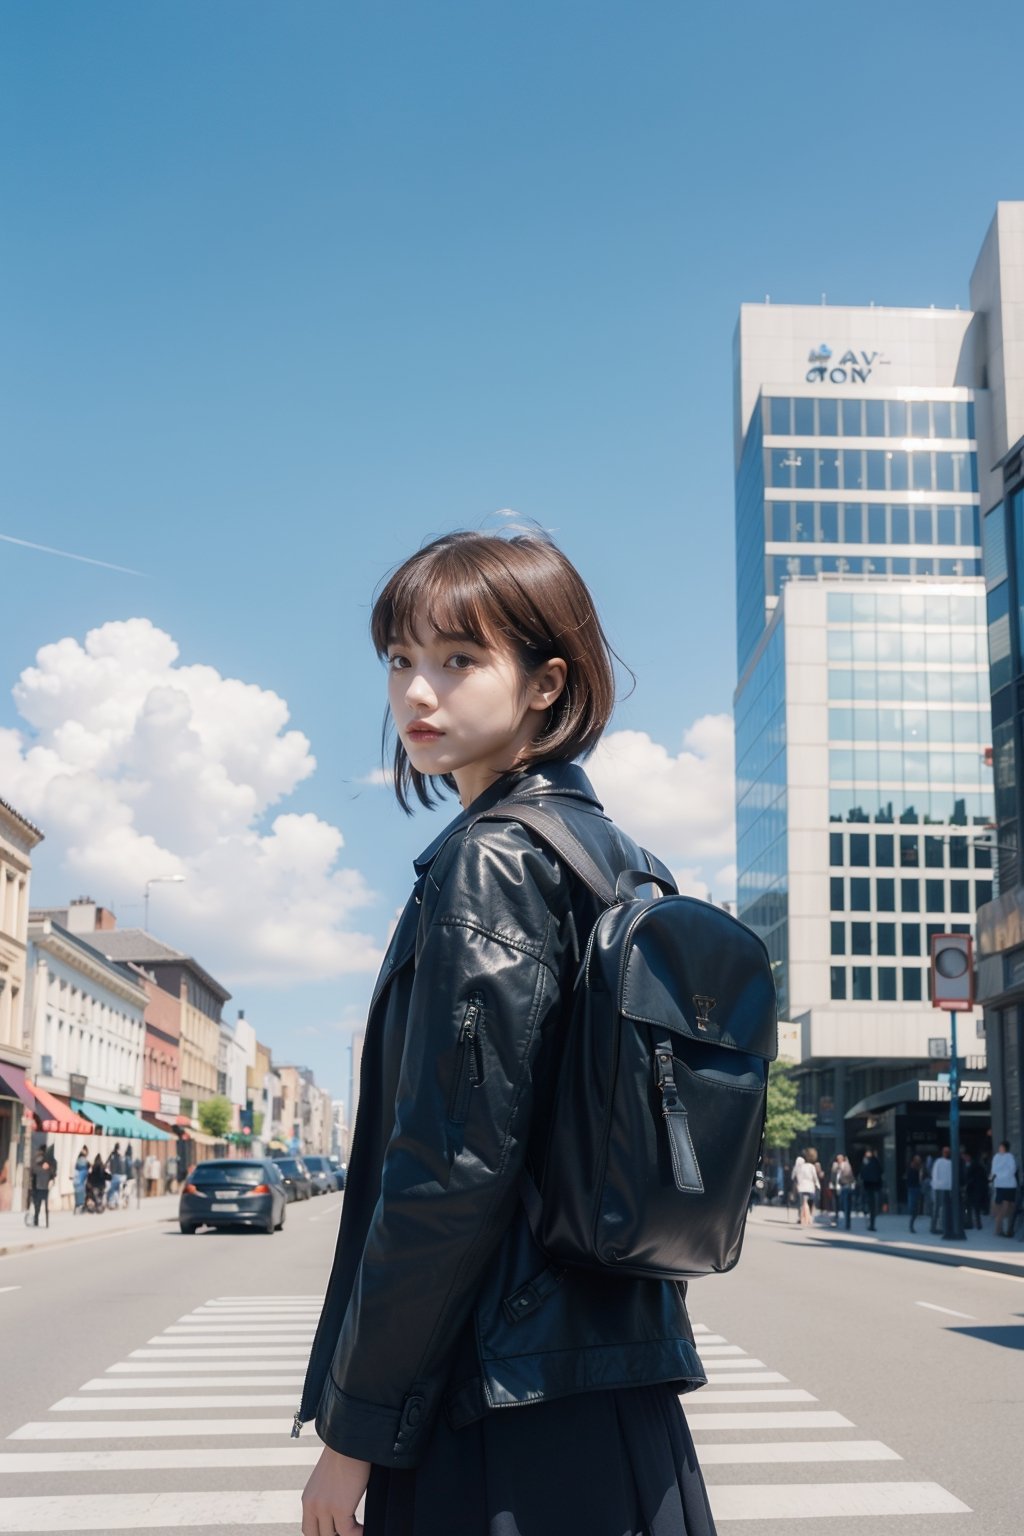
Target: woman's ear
{"type": "Point", "coordinates": [547, 683]}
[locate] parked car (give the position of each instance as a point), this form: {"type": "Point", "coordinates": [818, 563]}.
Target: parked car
{"type": "Point", "coordinates": [321, 1172]}
{"type": "Point", "coordinates": [340, 1170]}
{"type": "Point", "coordinates": [233, 1191]}
{"type": "Point", "coordinates": [296, 1177]}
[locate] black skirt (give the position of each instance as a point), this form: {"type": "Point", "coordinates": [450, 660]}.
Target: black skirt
{"type": "Point", "coordinates": [611, 1463]}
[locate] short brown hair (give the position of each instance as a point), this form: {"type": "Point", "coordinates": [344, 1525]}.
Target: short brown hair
{"type": "Point", "coordinates": [523, 591]}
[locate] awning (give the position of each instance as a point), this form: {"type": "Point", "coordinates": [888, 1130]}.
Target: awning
{"type": "Point", "coordinates": [105, 1119]}
{"type": "Point", "coordinates": [53, 1115]}
{"type": "Point", "coordinates": [201, 1139]}
{"type": "Point", "coordinates": [920, 1091]}
{"type": "Point", "coordinates": [141, 1129]}
{"type": "Point", "coordinates": [13, 1085]}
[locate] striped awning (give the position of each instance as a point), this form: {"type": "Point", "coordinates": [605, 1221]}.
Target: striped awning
{"type": "Point", "coordinates": [104, 1117]}
{"type": "Point", "coordinates": [52, 1114]}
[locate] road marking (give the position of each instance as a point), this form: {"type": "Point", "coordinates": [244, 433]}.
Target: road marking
{"type": "Point", "coordinates": [711, 1338]}
{"type": "Point", "coordinates": [188, 1336]}
{"type": "Point", "coordinates": [144, 1383]}
{"type": "Point", "coordinates": [10, 1287]}
{"type": "Point", "coordinates": [306, 1296]}
{"type": "Point", "coordinates": [737, 1363]}
{"type": "Point", "coordinates": [238, 1367]}
{"type": "Point", "coordinates": [743, 1378]}
{"type": "Point", "coordinates": [198, 1400]}
{"type": "Point", "coordinates": [215, 1327]}
{"type": "Point", "coordinates": [949, 1311]}
{"type": "Point", "coordinates": [151, 1511]}
{"type": "Point", "coordinates": [224, 1352]}
{"type": "Point", "coordinates": [995, 1274]}
{"type": "Point", "coordinates": [770, 1395]}
{"type": "Point", "coordinates": [752, 1452]}
{"type": "Point", "coordinates": [796, 1501]}
{"type": "Point", "coordinates": [777, 1418]}
{"type": "Point", "coordinates": [719, 1349]}
{"type": "Point", "coordinates": [138, 1429]}
{"type": "Point", "coordinates": [98, 1460]}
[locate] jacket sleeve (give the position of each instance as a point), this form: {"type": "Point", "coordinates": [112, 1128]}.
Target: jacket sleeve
{"type": "Point", "coordinates": [487, 978]}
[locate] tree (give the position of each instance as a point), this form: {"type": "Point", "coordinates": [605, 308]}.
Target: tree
{"type": "Point", "coordinates": [257, 1122]}
{"type": "Point", "coordinates": [784, 1122]}
{"type": "Point", "coordinates": [215, 1116]}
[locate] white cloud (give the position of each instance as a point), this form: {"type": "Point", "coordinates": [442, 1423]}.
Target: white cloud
{"type": "Point", "coordinates": [135, 765]}
{"type": "Point", "coordinates": [680, 805]}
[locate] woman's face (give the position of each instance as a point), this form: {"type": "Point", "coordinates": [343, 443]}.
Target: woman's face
{"type": "Point", "coordinates": [466, 709]}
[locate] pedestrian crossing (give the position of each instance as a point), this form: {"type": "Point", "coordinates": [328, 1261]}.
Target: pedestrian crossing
{"type": "Point", "coordinates": [118, 1454]}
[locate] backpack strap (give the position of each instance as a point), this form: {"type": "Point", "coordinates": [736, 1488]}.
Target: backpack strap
{"type": "Point", "coordinates": [557, 836]}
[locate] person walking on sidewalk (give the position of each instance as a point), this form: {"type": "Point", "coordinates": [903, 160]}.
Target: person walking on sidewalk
{"type": "Point", "coordinates": [499, 679]}
{"type": "Point", "coordinates": [871, 1186]}
{"type": "Point", "coordinates": [914, 1188]}
{"type": "Point", "coordinates": [152, 1174]}
{"type": "Point", "coordinates": [1004, 1186]}
{"type": "Point", "coordinates": [81, 1174]}
{"type": "Point", "coordinates": [95, 1184]}
{"type": "Point", "coordinates": [44, 1171]}
{"type": "Point", "coordinates": [115, 1167]}
{"type": "Point", "coordinates": [942, 1191]}
{"type": "Point", "coordinates": [976, 1193]}
{"type": "Point", "coordinates": [842, 1178]}
{"type": "Point", "coordinates": [807, 1183]}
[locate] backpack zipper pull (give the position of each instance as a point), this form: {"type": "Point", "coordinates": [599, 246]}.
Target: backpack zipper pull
{"type": "Point", "coordinates": [296, 1425]}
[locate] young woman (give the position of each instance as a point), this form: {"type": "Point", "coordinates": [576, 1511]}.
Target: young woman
{"type": "Point", "coordinates": [450, 1378]}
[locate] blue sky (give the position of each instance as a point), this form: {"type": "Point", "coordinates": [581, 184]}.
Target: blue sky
{"type": "Point", "coordinates": [288, 289]}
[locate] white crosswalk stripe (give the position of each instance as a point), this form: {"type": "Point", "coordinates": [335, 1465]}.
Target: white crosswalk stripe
{"type": "Point", "coordinates": [210, 1360]}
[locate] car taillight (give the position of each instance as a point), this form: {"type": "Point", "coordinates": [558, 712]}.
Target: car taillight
{"type": "Point", "coordinates": [261, 1189]}
{"type": "Point", "coordinates": [190, 1189]}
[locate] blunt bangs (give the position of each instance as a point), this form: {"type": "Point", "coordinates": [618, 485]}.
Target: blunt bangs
{"type": "Point", "coordinates": [520, 593]}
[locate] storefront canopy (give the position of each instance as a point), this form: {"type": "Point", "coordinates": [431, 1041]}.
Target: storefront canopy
{"type": "Point", "coordinates": [104, 1117]}
{"type": "Point", "coordinates": [53, 1115]}
{"type": "Point", "coordinates": [13, 1084]}
{"type": "Point", "coordinates": [919, 1091]}
{"type": "Point", "coordinates": [140, 1129]}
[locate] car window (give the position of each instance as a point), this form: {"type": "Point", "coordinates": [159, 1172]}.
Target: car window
{"type": "Point", "coordinates": [227, 1173]}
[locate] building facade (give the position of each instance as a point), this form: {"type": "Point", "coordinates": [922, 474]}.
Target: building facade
{"type": "Point", "coordinates": [18, 837]}
{"type": "Point", "coordinates": [865, 446]}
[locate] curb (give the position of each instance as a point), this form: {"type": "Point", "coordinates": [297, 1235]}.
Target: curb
{"type": "Point", "coordinates": [11, 1250]}
{"type": "Point", "coordinates": [955, 1258]}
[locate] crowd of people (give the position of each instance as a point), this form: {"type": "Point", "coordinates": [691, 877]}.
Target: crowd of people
{"type": "Point", "coordinates": [987, 1187]}
{"type": "Point", "coordinates": [101, 1183]}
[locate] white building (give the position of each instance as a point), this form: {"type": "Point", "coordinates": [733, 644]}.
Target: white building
{"type": "Point", "coordinates": [866, 445]}
{"type": "Point", "coordinates": [18, 837]}
{"type": "Point", "coordinates": [237, 1053]}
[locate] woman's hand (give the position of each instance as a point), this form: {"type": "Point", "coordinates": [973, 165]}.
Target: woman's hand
{"type": "Point", "coordinates": [331, 1497]}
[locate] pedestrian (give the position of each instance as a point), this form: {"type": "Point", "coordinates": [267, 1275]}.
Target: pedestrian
{"type": "Point", "coordinates": [871, 1185]}
{"type": "Point", "coordinates": [499, 677]}
{"type": "Point", "coordinates": [942, 1192]}
{"type": "Point", "coordinates": [927, 1199]}
{"type": "Point", "coordinates": [976, 1195]}
{"type": "Point", "coordinates": [1004, 1189]}
{"type": "Point", "coordinates": [842, 1179]}
{"type": "Point", "coordinates": [151, 1173]}
{"type": "Point", "coordinates": [806, 1183]}
{"type": "Point", "coordinates": [914, 1190]}
{"type": "Point", "coordinates": [44, 1171]}
{"type": "Point", "coordinates": [115, 1167]}
{"type": "Point", "coordinates": [96, 1183]}
{"type": "Point", "coordinates": [171, 1173]}
{"type": "Point", "coordinates": [80, 1175]}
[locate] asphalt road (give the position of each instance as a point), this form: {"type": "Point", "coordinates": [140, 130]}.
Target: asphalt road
{"type": "Point", "coordinates": [141, 1393]}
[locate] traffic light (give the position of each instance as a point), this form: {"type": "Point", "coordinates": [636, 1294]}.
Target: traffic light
{"type": "Point", "coordinates": [952, 971]}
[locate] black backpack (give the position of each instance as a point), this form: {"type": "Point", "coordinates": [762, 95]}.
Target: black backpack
{"type": "Point", "coordinates": [658, 1118]}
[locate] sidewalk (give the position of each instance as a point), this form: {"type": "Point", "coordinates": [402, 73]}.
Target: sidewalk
{"type": "Point", "coordinates": [66, 1227]}
{"type": "Point", "coordinates": [982, 1250]}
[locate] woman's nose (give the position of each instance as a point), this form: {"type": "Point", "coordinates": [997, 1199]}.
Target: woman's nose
{"type": "Point", "coordinates": [419, 692]}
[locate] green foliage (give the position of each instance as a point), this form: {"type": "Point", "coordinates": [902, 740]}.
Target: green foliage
{"type": "Point", "coordinates": [215, 1116]}
{"type": "Point", "coordinates": [257, 1122]}
{"type": "Point", "coordinates": [785, 1122]}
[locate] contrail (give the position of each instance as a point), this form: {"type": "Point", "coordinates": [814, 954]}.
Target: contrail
{"type": "Point", "coordinates": [67, 555]}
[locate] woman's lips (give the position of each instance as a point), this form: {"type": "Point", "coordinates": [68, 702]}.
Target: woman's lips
{"type": "Point", "coordinates": [424, 733]}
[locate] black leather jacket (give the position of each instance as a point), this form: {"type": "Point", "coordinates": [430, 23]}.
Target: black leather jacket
{"type": "Point", "coordinates": [460, 1057]}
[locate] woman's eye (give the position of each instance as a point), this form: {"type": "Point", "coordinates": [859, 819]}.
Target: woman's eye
{"type": "Point", "coordinates": [396, 663]}
{"type": "Point", "coordinates": [460, 661]}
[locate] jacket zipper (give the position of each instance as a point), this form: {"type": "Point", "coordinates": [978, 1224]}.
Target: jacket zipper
{"type": "Point", "coordinates": [469, 1068]}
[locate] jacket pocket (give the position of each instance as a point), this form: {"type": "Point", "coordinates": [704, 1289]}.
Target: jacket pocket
{"type": "Point", "coordinates": [469, 1063]}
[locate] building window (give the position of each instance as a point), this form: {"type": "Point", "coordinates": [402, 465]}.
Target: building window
{"type": "Point", "coordinates": [886, 983]}
{"type": "Point", "coordinates": [910, 938]}
{"type": "Point", "coordinates": [862, 983]}
{"type": "Point", "coordinates": [935, 895]}
{"type": "Point", "coordinates": [982, 892]}
{"type": "Point", "coordinates": [911, 984]}
{"type": "Point", "coordinates": [934, 847]}
{"type": "Point", "coordinates": [910, 895]}
{"type": "Point", "coordinates": [838, 938]}
{"type": "Point", "coordinates": [860, 849]}
{"type": "Point", "coordinates": [910, 856]}
{"type": "Point", "coordinates": [885, 895]}
{"type": "Point", "coordinates": [836, 886]}
{"type": "Point", "coordinates": [860, 938]}
{"type": "Point", "coordinates": [884, 850]}
{"type": "Point", "coordinates": [885, 937]}
{"type": "Point", "coordinates": [860, 893]}
{"type": "Point", "coordinates": [838, 983]}
{"type": "Point", "coordinates": [960, 895]}
{"type": "Point", "coordinates": [835, 848]}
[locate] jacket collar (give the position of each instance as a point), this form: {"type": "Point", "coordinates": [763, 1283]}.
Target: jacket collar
{"type": "Point", "coordinates": [553, 778]}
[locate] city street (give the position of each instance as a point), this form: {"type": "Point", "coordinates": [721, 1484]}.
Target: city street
{"type": "Point", "coordinates": [150, 1380]}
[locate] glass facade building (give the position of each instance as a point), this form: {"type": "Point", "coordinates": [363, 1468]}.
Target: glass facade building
{"type": "Point", "coordinates": [862, 712]}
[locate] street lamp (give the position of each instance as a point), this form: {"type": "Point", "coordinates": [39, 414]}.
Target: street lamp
{"type": "Point", "coordinates": [156, 880]}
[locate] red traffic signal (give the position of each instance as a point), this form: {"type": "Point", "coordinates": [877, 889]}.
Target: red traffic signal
{"type": "Point", "coordinates": [952, 971]}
